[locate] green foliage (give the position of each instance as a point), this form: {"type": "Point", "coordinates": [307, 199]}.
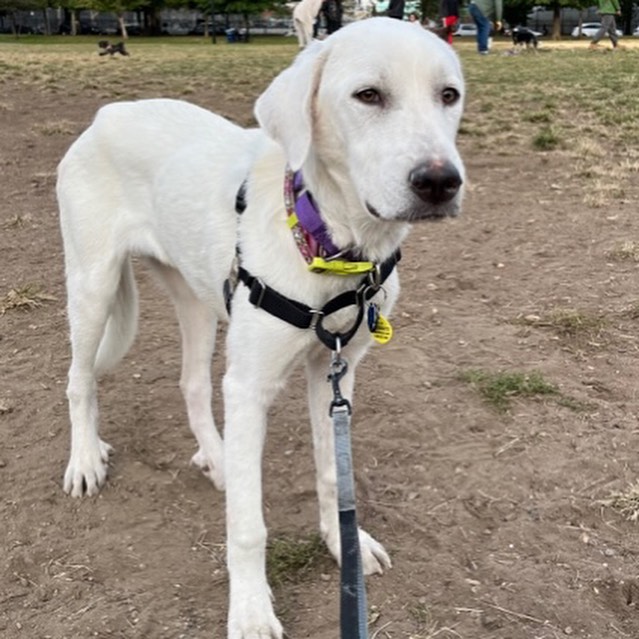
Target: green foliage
{"type": "Point", "coordinates": [498, 389]}
{"type": "Point", "coordinates": [291, 560]}
{"type": "Point", "coordinates": [546, 140]}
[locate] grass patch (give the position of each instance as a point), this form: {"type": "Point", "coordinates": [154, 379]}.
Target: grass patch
{"type": "Point", "coordinates": [499, 389]}
{"type": "Point", "coordinates": [540, 117]}
{"type": "Point", "coordinates": [569, 323]}
{"type": "Point", "coordinates": [546, 140]}
{"type": "Point", "coordinates": [627, 252]}
{"type": "Point", "coordinates": [62, 127]}
{"type": "Point", "coordinates": [18, 221]}
{"type": "Point", "coordinates": [292, 560]}
{"type": "Point", "coordinates": [24, 298]}
{"type": "Point", "coordinates": [626, 503]}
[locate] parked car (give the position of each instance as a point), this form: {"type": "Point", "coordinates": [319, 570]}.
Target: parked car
{"type": "Point", "coordinates": [466, 30]}
{"type": "Point", "coordinates": [636, 32]}
{"type": "Point", "coordinates": [589, 29]}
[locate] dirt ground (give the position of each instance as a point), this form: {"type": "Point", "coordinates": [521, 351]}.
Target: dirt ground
{"type": "Point", "coordinates": [496, 521]}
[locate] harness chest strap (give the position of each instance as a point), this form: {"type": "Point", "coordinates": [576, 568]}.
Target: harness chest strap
{"type": "Point", "coordinates": [303, 316]}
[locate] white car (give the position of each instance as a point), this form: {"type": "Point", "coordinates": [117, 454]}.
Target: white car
{"type": "Point", "coordinates": [589, 29]}
{"type": "Point", "coordinates": [537, 34]}
{"type": "Point", "coordinates": [636, 32]}
{"type": "Point", "coordinates": [466, 30]}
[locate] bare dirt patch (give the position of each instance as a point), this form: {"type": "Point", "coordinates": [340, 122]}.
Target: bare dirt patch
{"type": "Point", "coordinates": [499, 520]}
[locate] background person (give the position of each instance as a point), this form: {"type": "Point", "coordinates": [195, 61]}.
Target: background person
{"type": "Point", "coordinates": [608, 9]}
{"type": "Point", "coordinates": [484, 13]}
{"type": "Point", "coordinates": [449, 11]}
{"type": "Point", "coordinates": [396, 9]}
{"type": "Point", "coordinates": [332, 10]}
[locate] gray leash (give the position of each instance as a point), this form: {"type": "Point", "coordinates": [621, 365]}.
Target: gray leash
{"type": "Point", "coordinates": [353, 608]}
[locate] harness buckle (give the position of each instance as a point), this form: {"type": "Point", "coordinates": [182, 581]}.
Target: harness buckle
{"type": "Point", "coordinates": [375, 277]}
{"type": "Point", "coordinates": [258, 289]}
{"type": "Point", "coordinates": [316, 318]}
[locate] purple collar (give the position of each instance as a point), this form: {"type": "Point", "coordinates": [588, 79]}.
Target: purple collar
{"type": "Point", "coordinates": [309, 218]}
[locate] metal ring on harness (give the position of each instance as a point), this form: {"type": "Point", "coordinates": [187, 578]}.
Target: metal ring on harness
{"type": "Point", "coordinates": [331, 339]}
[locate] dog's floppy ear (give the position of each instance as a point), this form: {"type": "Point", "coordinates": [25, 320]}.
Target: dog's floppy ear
{"type": "Point", "coordinates": [284, 110]}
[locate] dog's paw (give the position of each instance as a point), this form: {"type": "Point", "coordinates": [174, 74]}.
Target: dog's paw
{"type": "Point", "coordinates": [212, 469]}
{"type": "Point", "coordinates": [252, 617]}
{"type": "Point", "coordinates": [375, 559]}
{"type": "Point", "coordinates": [87, 470]}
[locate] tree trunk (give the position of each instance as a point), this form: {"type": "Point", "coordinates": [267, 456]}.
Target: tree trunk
{"type": "Point", "coordinates": [123, 31]}
{"type": "Point", "coordinates": [556, 22]}
{"type": "Point", "coordinates": [47, 21]}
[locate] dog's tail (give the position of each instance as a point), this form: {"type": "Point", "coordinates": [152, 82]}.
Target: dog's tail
{"type": "Point", "coordinates": [122, 324]}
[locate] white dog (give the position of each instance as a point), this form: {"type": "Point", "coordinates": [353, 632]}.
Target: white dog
{"type": "Point", "coordinates": [304, 16]}
{"type": "Point", "coordinates": [370, 117]}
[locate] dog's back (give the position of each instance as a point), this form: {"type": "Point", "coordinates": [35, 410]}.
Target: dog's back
{"type": "Point", "coordinates": [139, 181]}
{"type": "Point", "coordinates": [118, 162]}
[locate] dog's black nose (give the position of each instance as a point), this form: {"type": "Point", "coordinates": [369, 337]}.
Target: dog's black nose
{"type": "Point", "coordinates": [435, 182]}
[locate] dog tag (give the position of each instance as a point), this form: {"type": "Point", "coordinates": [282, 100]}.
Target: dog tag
{"type": "Point", "coordinates": [378, 325]}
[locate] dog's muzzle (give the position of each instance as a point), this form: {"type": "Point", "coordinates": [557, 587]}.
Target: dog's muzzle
{"type": "Point", "coordinates": [435, 182]}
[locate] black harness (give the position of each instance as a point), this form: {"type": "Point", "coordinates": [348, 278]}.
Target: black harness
{"type": "Point", "coordinates": [301, 315]}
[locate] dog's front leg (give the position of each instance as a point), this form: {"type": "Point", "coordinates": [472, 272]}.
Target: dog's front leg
{"type": "Point", "coordinates": [374, 557]}
{"type": "Point", "coordinates": [251, 613]}
{"type": "Point", "coordinates": [260, 350]}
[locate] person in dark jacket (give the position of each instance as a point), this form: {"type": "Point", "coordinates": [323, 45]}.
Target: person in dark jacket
{"type": "Point", "coordinates": [449, 10]}
{"type": "Point", "coordinates": [332, 11]}
{"type": "Point", "coordinates": [396, 9]}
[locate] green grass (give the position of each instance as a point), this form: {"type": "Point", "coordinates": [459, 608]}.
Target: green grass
{"type": "Point", "coordinates": [567, 101]}
{"type": "Point", "coordinates": [498, 389]}
{"type": "Point", "coordinates": [570, 323]}
{"type": "Point", "coordinates": [546, 140]}
{"type": "Point", "coordinates": [291, 559]}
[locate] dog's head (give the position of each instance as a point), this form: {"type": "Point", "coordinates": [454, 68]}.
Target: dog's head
{"type": "Point", "coordinates": [380, 102]}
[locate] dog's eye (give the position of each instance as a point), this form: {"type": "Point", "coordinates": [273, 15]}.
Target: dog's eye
{"type": "Point", "coordinates": [369, 96]}
{"type": "Point", "coordinates": [450, 96]}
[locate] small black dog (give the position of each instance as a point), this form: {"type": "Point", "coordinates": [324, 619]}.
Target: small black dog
{"type": "Point", "coordinates": [112, 49]}
{"type": "Point", "coordinates": [523, 37]}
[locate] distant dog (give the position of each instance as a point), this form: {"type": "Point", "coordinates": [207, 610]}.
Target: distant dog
{"type": "Point", "coordinates": [524, 38]}
{"type": "Point", "coordinates": [112, 49]}
{"type": "Point", "coordinates": [369, 117]}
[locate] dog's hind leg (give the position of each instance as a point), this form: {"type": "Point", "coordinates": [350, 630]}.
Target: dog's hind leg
{"type": "Point", "coordinates": [197, 326]}
{"type": "Point", "coordinates": [374, 557]}
{"type": "Point", "coordinates": [102, 316]}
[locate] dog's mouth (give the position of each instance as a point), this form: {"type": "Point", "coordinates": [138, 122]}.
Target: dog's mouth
{"type": "Point", "coordinates": [417, 214]}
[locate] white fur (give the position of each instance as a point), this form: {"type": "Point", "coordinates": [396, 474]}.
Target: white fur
{"type": "Point", "coordinates": [304, 15]}
{"type": "Point", "coordinates": [158, 179]}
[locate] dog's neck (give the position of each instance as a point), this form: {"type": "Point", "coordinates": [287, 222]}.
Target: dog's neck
{"type": "Point", "coordinates": [349, 226]}
{"type": "Point", "coordinates": [309, 230]}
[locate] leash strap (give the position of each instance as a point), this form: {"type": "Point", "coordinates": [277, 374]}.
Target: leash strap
{"type": "Point", "coordinates": [353, 606]}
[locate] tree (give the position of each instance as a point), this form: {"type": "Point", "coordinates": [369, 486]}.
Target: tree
{"type": "Point", "coordinates": [245, 8]}
{"type": "Point", "coordinates": [118, 7]}
{"type": "Point", "coordinates": [556, 6]}
{"type": "Point", "coordinates": [11, 8]}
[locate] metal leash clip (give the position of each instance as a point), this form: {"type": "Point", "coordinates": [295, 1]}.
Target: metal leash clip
{"type": "Point", "coordinates": [338, 369]}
